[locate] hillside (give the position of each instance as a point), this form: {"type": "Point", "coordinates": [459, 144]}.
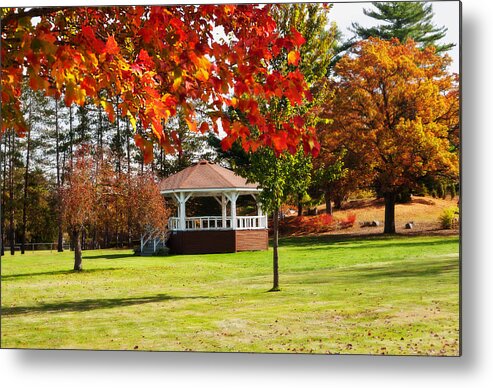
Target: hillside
{"type": "Point", "coordinates": [424, 212]}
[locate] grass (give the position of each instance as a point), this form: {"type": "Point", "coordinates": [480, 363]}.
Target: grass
{"type": "Point", "coordinates": [396, 295]}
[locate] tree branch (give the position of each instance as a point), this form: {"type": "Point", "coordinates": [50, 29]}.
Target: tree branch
{"type": "Point", "coordinates": [33, 12]}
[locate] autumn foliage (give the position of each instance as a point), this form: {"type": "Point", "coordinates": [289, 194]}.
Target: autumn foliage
{"type": "Point", "coordinates": [395, 109]}
{"type": "Point", "coordinates": [322, 223]}
{"type": "Point", "coordinates": [97, 199]}
{"type": "Point", "coordinates": [148, 61]}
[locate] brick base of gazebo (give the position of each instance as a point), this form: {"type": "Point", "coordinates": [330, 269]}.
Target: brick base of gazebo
{"type": "Point", "coordinates": [217, 241]}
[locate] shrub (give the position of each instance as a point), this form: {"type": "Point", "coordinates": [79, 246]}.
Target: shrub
{"type": "Point", "coordinates": [449, 218]}
{"type": "Point", "coordinates": [323, 223]}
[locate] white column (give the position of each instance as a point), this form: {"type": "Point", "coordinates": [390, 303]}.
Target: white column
{"type": "Point", "coordinates": [224, 204]}
{"type": "Point", "coordinates": [182, 210]}
{"type": "Point", "coordinates": [260, 216]}
{"type": "Point", "coordinates": [234, 197]}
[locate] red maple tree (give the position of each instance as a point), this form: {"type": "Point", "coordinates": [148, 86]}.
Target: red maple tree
{"type": "Point", "coordinates": [149, 60]}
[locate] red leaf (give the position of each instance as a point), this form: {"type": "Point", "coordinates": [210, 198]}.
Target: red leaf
{"type": "Point", "coordinates": [139, 141]}
{"type": "Point", "coordinates": [227, 142]}
{"type": "Point", "coordinates": [297, 38]}
{"type": "Point", "coordinates": [145, 146]}
{"type": "Point", "coordinates": [89, 85]}
{"type": "Point", "coordinates": [299, 122]}
{"type": "Point", "coordinates": [204, 127]}
{"type": "Point", "coordinates": [279, 141]}
{"type": "Point", "coordinates": [145, 58]}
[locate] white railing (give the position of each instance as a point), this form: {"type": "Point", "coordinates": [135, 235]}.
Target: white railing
{"type": "Point", "coordinates": [251, 222]}
{"type": "Point", "coordinates": [215, 223]}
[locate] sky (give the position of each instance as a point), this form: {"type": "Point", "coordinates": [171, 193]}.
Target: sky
{"type": "Point", "coordinates": [446, 14]}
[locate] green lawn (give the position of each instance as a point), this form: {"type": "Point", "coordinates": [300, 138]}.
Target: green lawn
{"type": "Point", "coordinates": [395, 295]}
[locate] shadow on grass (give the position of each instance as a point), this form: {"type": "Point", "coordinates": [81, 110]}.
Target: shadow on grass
{"type": "Point", "coordinates": [113, 256]}
{"type": "Point", "coordinates": [61, 272]}
{"type": "Point", "coordinates": [359, 242]}
{"type": "Point", "coordinates": [421, 269]}
{"type": "Point", "coordinates": [91, 304]}
{"type": "Point", "coordinates": [364, 274]}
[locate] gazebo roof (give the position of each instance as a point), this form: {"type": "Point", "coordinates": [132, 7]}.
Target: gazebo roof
{"type": "Point", "coordinates": [205, 176]}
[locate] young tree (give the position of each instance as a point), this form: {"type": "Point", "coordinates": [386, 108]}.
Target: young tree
{"type": "Point", "coordinates": [78, 198]}
{"type": "Point", "coordinates": [396, 108]}
{"type": "Point", "coordinates": [279, 176]}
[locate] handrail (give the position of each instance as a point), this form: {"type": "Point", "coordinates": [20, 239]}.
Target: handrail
{"type": "Point", "coordinates": [154, 234]}
{"type": "Point", "coordinates": [216, 223]}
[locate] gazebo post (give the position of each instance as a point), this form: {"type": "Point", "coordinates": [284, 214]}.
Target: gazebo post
{"type": "Point", "coordinates": [224, 210]}
{"type": "Point", "coordinates": [260, 214]}
{"type": "Point", "coordinates": [234, 197]}
{"type": "Point", "coordinates": [182, 210]}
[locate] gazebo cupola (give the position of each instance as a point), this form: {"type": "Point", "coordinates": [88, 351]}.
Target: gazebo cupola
{"type": "Point", "coordinates": [225, 232]}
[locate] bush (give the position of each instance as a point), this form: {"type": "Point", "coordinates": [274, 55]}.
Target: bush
{"type": "Point", "coordinates": [449, 218]}
{"type": "Point", "coordinates": [323, 223]}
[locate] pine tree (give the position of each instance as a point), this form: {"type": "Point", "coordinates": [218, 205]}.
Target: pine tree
{"type": "Point", "coordinates": [403, 20]}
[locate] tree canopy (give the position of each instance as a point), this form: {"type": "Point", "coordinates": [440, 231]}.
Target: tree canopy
{"type": "Point", "coordinates": [148, 60]}
{"type": "Point", "coordinates": [396, 108]}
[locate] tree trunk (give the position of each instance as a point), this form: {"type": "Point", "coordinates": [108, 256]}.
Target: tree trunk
{"type": "Point", "coordinates": [26, 181]}
{"type": "Point", "coordinates": [328, 202]}
{"type": "Point", "coordinates": [77, 250]}
{"type": "Point", "coordinates": [83, 240]}
{"type": "Point", "coordinates": [100, 128]}
{"type": "Point", "coordinates": [389, 227]}
{"type": "Point", "coordinates": [118, 141]}
{"type": "Point", "coordinates": [11, 192]}
{"type": "Point", "coordinates": [337, 203]}
{"type": "Point", "coordinates": [4, 176]}
{"type": "Point", "coordinates": [300, 205]}
{"type": "Point", "coordinates": [71, 137]}
{"type": "Point", "coordinates": [275, 245]}
{"type": "Point", "coordinates": [58, 181]}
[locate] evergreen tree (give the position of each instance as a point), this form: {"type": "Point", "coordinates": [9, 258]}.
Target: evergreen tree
{"type": "Point", "coordinates": [403, 20]}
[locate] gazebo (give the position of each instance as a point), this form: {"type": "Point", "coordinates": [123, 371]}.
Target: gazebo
{"type": "Point", "coordinates": [225, 232]}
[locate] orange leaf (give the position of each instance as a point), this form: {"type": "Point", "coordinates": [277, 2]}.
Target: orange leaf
{"type": "Point", "coordinates": [111, 46]}
{"type": "Point", "coordinates": [293, 58]}
{"type": "Point", "coordinates": [148, 152]}
{"type": "Point", "coordinates": [108, 107]}
{"type": "Point", "coordinates": [192, 125]}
